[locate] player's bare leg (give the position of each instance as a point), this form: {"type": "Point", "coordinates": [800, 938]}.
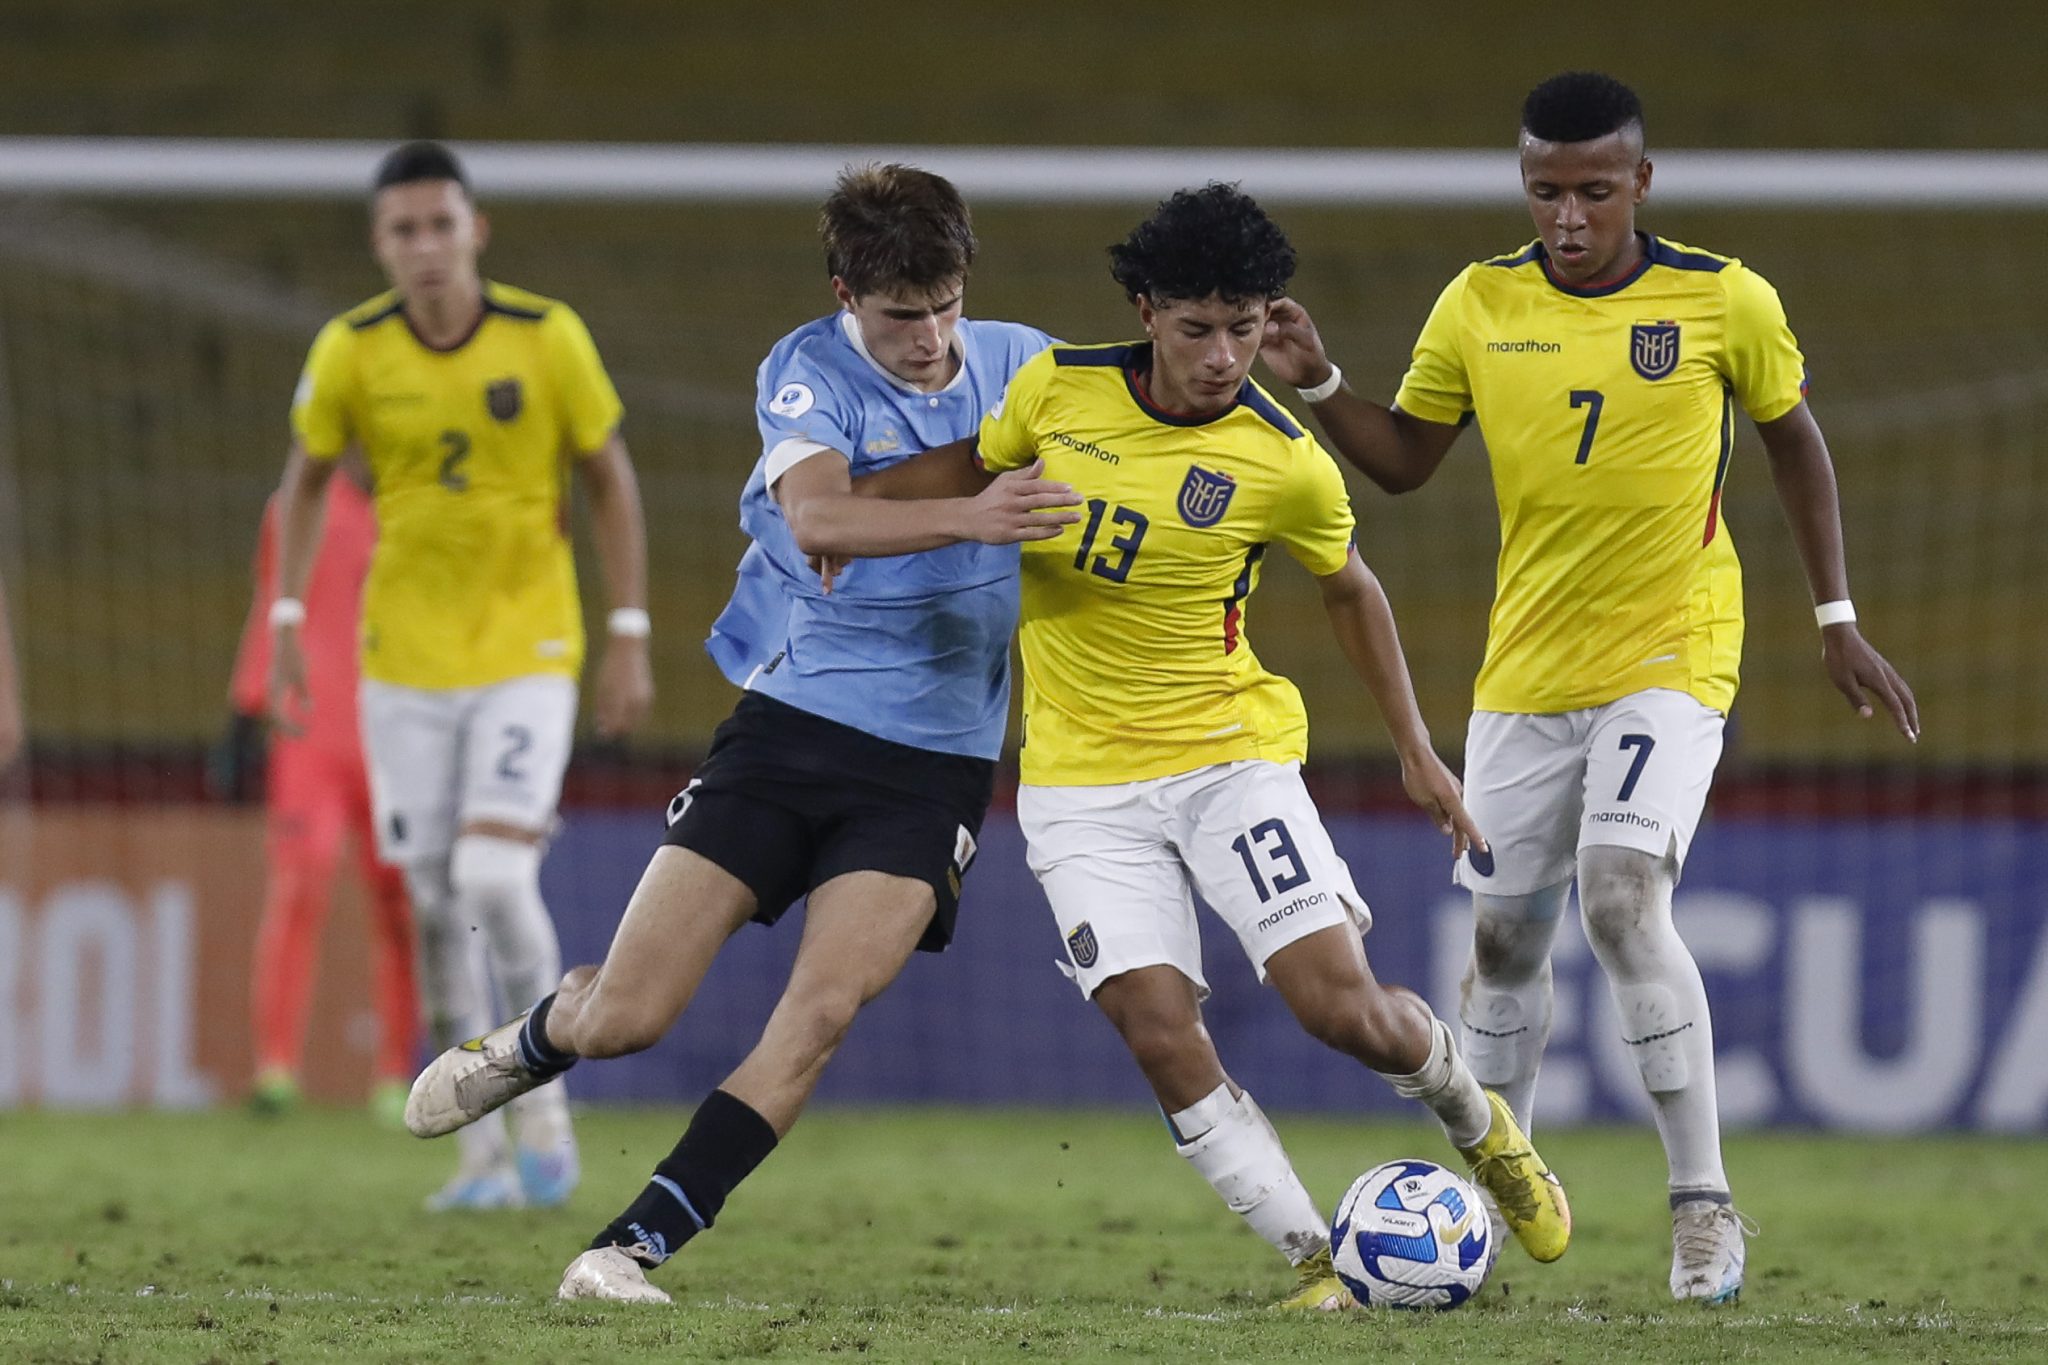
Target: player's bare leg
{"type": "Point", "coordinates": [1218, 1127]}
{"type": "Point", "coordinates": [1328, 984]}
{"type": "Point", "coordinates": [680, 915]}
{"type": "Point", "coordinates": [859, 930]}
{"type": "Point", "coordinates": [1625, 900]}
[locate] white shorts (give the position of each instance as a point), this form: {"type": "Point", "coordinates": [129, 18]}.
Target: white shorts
{"type": "Point", "coordinates": [442, 758]}
{"type": "Point", "coordinates": [1120, 863]}
{"type": "Point", "coordinates": [1632, 773]}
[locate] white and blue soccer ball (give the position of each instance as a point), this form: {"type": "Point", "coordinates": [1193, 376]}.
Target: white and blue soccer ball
{"type": "Point", "coordinates": [1410, 1234]}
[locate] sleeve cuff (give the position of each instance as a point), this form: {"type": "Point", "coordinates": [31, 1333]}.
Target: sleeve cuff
{"type": "Point", "coordinates": [787, 456]}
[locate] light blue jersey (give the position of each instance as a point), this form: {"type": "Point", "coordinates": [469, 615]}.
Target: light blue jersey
{"type": "Point", "coordinates": [911, 648]}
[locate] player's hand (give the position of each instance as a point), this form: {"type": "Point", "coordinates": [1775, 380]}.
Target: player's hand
{"type": "Point", "coordinates": [290, 701]}
{"type": "Point", "coordinates": [1435, 788]}
{"type": "Point", "coordinates": [1861, 673]}
{"type": "Point", "coordinates": [828, 568]}
{"type": "Point", "coordinates": [1292, 348]}
{"type": "Point", "coordinates": [1020, 505]}
{"type": "Point", "coordinates": [625, 686]}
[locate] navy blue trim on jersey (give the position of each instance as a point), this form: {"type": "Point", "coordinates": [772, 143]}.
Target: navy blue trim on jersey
{"type": "Point", "coordinates": [1233, 615]}
{"type": "Point", "coordinates": [384, 314]}
{"type": "Point", "coordinates": [1091, 355]}
{"type": "Point", "coordinates": [1528, 254]}
{"type": "Point", "coordinates": [1250, 397]}
{"type": "Point", "coordinates": [506, 310]}
{"type": "Point", "coordinates": [1665, 254]}
{"type": "Point", "coordinates": [1598, 291]}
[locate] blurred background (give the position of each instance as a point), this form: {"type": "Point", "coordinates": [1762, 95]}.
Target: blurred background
{"type": "Point", "coordinates": [1869, 914]}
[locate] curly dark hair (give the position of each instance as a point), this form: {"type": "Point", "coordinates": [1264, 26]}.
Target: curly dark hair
{"type": "Point", "coordinates": [1578, 106]}
{"type": "Point", "coordinates": [1214, 241]}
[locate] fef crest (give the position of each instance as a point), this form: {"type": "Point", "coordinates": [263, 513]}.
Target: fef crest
{"type": "Point", "coordinates": [503, 398]}
{"type": "Point", "coordinates": [1081, 945]}
{"type": "Point", "coordinates": [1205, 496]}
{"type": "Point", "coordinates": [1653, 348]}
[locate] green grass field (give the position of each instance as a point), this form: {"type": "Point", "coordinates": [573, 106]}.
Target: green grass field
{"type": "Point", "coordinates": [925, 1235]}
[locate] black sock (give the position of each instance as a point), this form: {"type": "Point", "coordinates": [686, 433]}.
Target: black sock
{"type": "Point", "coordinates": [536, 1053]}
{"type": "Point", "coordinates": [725, 1141]}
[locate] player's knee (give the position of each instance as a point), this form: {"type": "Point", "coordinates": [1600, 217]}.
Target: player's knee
{"type": "Point", "coordinates": [488, 870]}
{"type": "Point", "coordinates": [827, 1015]}
{"type": "Point", "coordinates": [1619, 895]}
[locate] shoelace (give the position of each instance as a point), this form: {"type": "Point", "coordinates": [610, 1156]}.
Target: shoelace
{"type": "Point", "coordinates": [1698, 1236]}
{"type": "Point", "coordinates": [1316, 1267]}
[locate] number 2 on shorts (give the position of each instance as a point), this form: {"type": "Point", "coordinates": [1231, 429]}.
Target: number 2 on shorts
{"type": "Point", "coordinates": [518, 739]}
{"type": "Point", "coordinates": [1642, 744]}
{"type": "Point", "coordinates": [1283, 850]}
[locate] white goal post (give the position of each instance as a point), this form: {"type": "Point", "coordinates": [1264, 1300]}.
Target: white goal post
{"type": "Point", "coordinates": [793, 172]}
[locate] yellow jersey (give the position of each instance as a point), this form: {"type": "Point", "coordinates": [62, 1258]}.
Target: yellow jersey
{"type": "Point", "coordinates": [1609, 419]}
{"type": "Point", "coordinates": [472, 582]}
{"type": "Point", "coordinates": [1136, 664]}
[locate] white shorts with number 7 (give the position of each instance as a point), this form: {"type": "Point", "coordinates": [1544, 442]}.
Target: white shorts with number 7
{"type": "Point", "coordinates": [1632, 773]}
{"type": "Point", "coordinates": [440, 758]}
{"type": "Point", "coordinates": [1121, 865]}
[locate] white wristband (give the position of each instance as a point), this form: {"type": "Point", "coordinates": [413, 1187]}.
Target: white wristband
{"type": "Point", "coordinates": [1837, 613]}
{"type": "Point", "coordinates": [287, 611]}
{"type": "Point", "coordinates": [631, 622]}
{"type": "Point", "coordinates": [1324, 389]}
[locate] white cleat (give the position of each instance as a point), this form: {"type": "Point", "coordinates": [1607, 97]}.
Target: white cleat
{"type": "Point", "coordinates": [1707, 1247]}
{"type": "Point", "coordinates": [495, 1187]}
{"type": "Point", "coordinates": [609, 1273]}
{"type": "Point", "coordinates": [468, 1081]}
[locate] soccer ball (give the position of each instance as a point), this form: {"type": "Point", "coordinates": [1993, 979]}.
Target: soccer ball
{"type": "Point", "coordinates": [1411, 1234]}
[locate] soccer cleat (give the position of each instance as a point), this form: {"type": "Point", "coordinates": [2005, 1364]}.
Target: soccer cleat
{"type": "Point", "coordinates": [1707, 1250]}
{"type": "Point", "coordinates": [468, 1081]}
{"type": "Point", "coordinates": [1318, 1290]}
{"type": "Point", "coordinates": [609, 1273]}
{"type": "Point", "coordinates": [549, 1178]}
{"type": "Point", "coordinates": [276, 1092]}
{"type": "Point", "coordinates": [1529, 1196]}
{"type": "Point", "coordinates": [496, 1187]}
{"type": "Point", "coordinates": [1496, 1221]}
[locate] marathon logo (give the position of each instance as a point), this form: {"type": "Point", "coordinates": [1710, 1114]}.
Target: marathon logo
{"type": "Point", "coordinates": [1293, 907]}
{"type": "Point", "coordinates": [1624, 817]}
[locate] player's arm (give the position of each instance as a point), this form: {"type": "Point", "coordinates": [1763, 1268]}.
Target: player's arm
{"type": "Point", "coordinates": [1804, 476]}
{"type": "Point", "coordinates": [11, 728]}
{"type": "Point", "coordinates": [1364, 624]}
{"type": "Point", "coordinates": [302, 508]}
{"type": "Point", "coordinates": [930, 508]}
{"type": "Point", "coordinates": [1396, 450]}
{"type": "Point", "coordinates": [238, 754]}
{"type": "Point", "coordinates": [625, 677]}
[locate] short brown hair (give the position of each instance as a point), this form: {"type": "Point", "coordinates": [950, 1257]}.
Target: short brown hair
{"type": "Point", "coordinates": [890, 226]}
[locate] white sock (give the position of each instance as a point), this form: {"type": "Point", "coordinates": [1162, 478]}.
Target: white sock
{"type": "Point", "coordinates": [1625, 899]}
{"type": "Point", "coordinates": [1231, 1143]}
{"type": "Point", "coordinates": [1446, 1085]}
{"type": "Point", "coordinates": [1505, 1007]}
{"type": "Point", "coordinates": [454, 994]}
{"type": "Point", "coordinates": [497, 886]}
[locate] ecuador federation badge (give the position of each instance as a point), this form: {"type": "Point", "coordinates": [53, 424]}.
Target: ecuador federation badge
{"type": "Point", "coordinates": [1653, 348]}
{"type": "Point", "coordinates": [1205, 496]}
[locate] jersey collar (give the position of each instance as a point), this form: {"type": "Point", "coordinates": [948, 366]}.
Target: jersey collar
{"type": "Point", "coordinates": [851, 329]}
{"type": "Point", "coordinates": [1138, 356]}
{"type": "Point", "coordinates": [1600, 291]}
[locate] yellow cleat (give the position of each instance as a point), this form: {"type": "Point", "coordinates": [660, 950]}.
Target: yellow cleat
{"type": "Point", "coordinates": [1529, 1196]}
{"type": "Point", "coordinates": [1318, 1290]}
